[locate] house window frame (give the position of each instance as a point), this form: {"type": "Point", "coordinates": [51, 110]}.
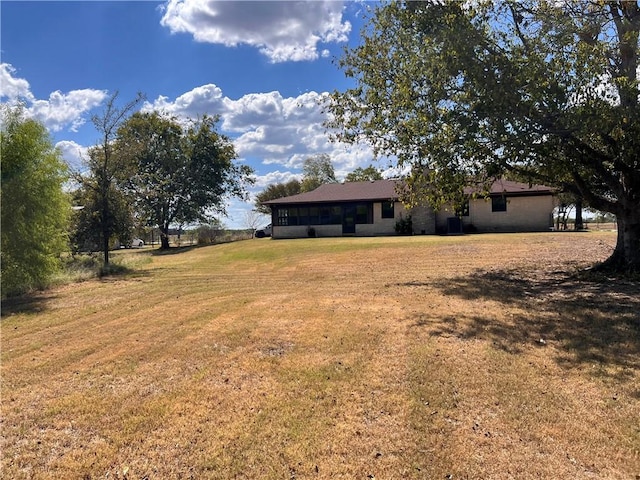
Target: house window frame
{"type": "Point", "coordinates": [388, 209]}
{"type": "Point", "coordinates": [364, 213]}
{"type": "Point", "coordinates": [499, 203]}
{"type": "Point", "coordinates": [282, 217]}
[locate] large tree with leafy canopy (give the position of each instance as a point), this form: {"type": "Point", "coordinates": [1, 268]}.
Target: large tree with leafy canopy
{"type": "Point", "coordinates": [367, 174]}
{"type": "Point", "coordinates": [178, 175]}
{"type": "Point", "coordinates": [35, 209]}
{"type": "Point", "coordinates": [101, 184]}
{"type": "Point", "coordinates": [276, 190]}
{"type": "Point", "coordinates": [464, 92]}
{"type": "Point", "coordinates": [91, 218]}
{"type": "Point", "coordinates": [317, 170]}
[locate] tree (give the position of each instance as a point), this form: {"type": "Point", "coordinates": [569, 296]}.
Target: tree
{"type": "Point", "coordinates": [88, 219]}
{"type": "Point", "coordinates": [463, 93]}
{"type": "Point", "coordinates": [566, 204]}
{"type": "Point", "coordinates": [106, 172]}
{"type": "Point", "coordinates": [317, 170]}
{"type": "Point", "coordinates": [179, 175]}
{"type": "Point", "coordinates": [208, 233]}
{"type": "Point", "coordinates": [364, 174]}
{"type": "Point", "coordinates": [35, 210]}
{"type": "Point", "coordinates": [276, 190]}
{"type": "Point", "coordinates": [252, 219]}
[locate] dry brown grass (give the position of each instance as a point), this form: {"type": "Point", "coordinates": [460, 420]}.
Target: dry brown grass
{"type": "Point", "coordinates": [388, 358]}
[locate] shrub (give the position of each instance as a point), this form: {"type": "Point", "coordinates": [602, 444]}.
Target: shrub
{"type": "Point", "coordinates": [404, 226]}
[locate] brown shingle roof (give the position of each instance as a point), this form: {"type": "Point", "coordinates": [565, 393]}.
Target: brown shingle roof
{"type": "Point", "coordinates": [514, 188]}
{"type": "Point", "coordinates": [386, 190]}
{"type": "Point", "coordinates": [344, 192]}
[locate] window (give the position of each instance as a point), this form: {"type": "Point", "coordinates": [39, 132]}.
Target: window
{"type": "Point", "coordinates": [325, 215]}
{"type": "Point", "coordinates": [293, 216]}
{"type": "Point", "coordinates": [283, 216]}
{"type": "Point", "coordinates": [314, 216]}
{"type": "Point", "coordinates": [499, 204]}
{"type": "Point", "coordinates": [387, 210]}
{"type": "Point", "coordinates": [336, 215]}
{"type": "Point", "coordinates": [363, 213]}
{"type": "Point", "coordinates": [303, 216]}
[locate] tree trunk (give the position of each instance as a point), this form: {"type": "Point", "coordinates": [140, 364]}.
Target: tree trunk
{"type": "Point", "coordinates": [626, 256]}
{"type": "Point", "coordinates": [105, 236]}
{"type": "Point", "coordinates": [105, 248]}
{"type": "Point", "coordinates": [579, 223]}
{"type": "Point", "coordinates": [164, 238]}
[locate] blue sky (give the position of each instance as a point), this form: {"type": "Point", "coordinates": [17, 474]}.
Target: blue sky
{"type": "Point", "coordinates": [261, 66]}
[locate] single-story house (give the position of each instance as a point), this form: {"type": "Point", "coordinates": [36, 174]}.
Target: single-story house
{"type": "Point", "coordinates": [372, 208]}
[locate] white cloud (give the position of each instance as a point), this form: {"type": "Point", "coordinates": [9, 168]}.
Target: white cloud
{"type": "Point", "coordinates": [61, 110]}
{"type": "Point", "coordinates": [204, 99]}
{"type": "Point", "coordinates": [253, 110]}
{"type": "Point", "coordinates": [276, 130]}
{"type": "Point", "coordinates": [601, 88]}
{"type": "Point", "coordinates": [73, 154]}
{"type": "Point", "coordinates": [263, 181]}
{"type": "Point", "coordinates": [66, 110]}
{"type": "Point", "coordinates": [13, 88]}
{"type": "Point", "coordinates": [282, 30]}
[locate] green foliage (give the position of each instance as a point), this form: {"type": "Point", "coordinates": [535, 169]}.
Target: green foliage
{"type": "Point", "coordinates": [604, 217]}
{"type": "Point", "coordinates": [209, 233]}
{"type": "Point", "coordinates": [462, 93]}
{"type": "Point", "coordinates": [276, 190]}
{"type": "Point", "coordinates": [364, 174]}
{"type": "Point", "coordinates": [404, 226]}
{"type": "Point", "coordinates": [105, 212]}
{"type": "Point", "coordinates": [88, 220]}
{"type": "Point", "coordinates": [317, 170]}
{"type": "Point", "coordinates": [178, 175]}
{"type": "Point", "coordinates": [35, 210]}
{"type": "Point", "coordinates": [81, 267]}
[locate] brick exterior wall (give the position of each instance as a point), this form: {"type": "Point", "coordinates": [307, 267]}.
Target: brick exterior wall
{"type": "Point", "coordinates": [523, 214]}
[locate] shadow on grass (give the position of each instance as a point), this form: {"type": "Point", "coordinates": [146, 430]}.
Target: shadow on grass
{"type": "Point", "coordinates": [173, 250]}
{"type": "Point", "coordinates": [36, 301]}
{"type": "Point", "coordinates": [27, 304]}
{"type": "Point", "coordinates": [120, 272]}
{"type": "Point", "coordinates": [188, 248]}
{"type": "Point", "coordinates": [591, 320]}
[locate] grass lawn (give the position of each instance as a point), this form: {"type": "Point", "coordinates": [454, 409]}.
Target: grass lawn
{"type": "Point", "coordinates": [424, 357]}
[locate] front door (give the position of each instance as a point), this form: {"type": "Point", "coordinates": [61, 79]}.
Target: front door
{"type": "Point", "coordinates": [349, 220]}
